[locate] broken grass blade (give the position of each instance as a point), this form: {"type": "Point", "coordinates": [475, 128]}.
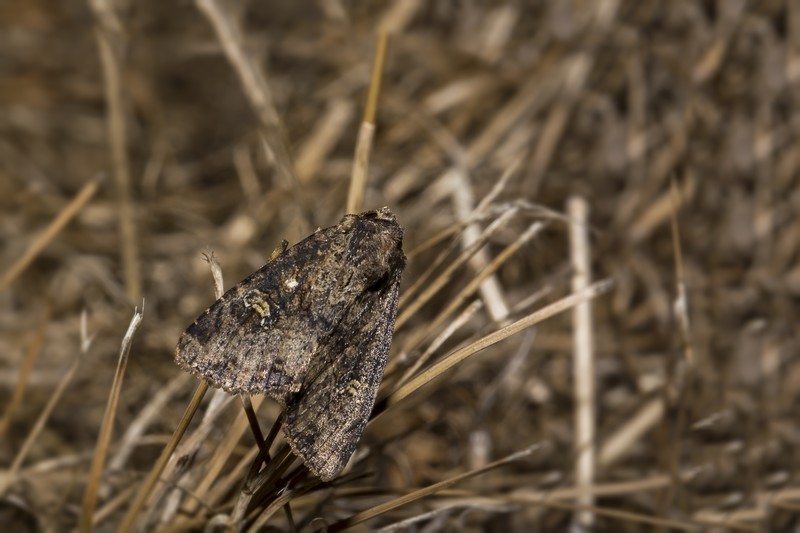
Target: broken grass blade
{"type": "Point", "coordinates": [107, 425]}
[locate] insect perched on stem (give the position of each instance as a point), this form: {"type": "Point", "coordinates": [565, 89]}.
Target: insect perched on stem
{"type": "Point", "coordinates": [310, 329]}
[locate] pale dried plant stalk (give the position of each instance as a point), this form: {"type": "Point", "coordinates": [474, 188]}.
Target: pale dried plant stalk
{"type": "Point", "coordinates": [583, 357]}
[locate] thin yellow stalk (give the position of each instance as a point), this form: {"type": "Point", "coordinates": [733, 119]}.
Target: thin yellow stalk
{"type": "Point", "coordinates": [358, 179]}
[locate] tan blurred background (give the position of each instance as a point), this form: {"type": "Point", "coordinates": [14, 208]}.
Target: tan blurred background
{"type": "Point", "coordinates": [607, 100]}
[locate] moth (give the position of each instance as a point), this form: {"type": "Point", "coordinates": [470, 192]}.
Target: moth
{"type": "Point", "coordinates": [310, 329]}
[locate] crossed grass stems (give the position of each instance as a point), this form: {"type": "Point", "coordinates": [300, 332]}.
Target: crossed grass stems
{"type": "Point", "coordinates": [266, 490]}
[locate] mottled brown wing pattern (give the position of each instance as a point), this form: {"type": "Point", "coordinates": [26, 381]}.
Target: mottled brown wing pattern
{"type": "Point", "coordinates": [326, 418]}
{"type": "Point", "coordinates": [312, 330]}
{"type": "Point", "coordinates": [239, 342]}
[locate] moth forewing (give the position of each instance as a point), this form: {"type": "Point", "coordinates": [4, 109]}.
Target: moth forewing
{"type": "Point", "coordinates": [311, 329]}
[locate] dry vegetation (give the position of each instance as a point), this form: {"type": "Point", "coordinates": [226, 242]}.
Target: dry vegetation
{"type": "Point", "coordinates": [135, 136]}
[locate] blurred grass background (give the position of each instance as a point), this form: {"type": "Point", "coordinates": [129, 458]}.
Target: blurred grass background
{"type": "Point", "coordinates": [607, 100]}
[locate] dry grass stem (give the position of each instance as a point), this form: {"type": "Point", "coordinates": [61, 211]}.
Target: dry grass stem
{"type": "Point", "coordinates": [226, 483]}
{"type": "Point", "coordinates": [64, 216]}
{"type": "Point", "coordinates": [107, 426]}
{"type": "Point", "coordinates": [366, 132]}
{"type": "Point", "coordinates": [456, 357]}
{"type": "Point", "coordinates": [130, 518]}
{"type": "Point", "coordinates": [358, 179]}
{"type": "Point", "coordinates": [144, 419]}
{"type": "Point", "coordinates": [223, 454]}
{"type": "Point", "coordinates": [446, 233]}
{"type": "Point", "coordinates": [487, 271]}
{"type": "Point", "coordinates": [410, 306]}
{"type": "Point", "coordinates": [281, 501]}
{"type": "Point", "coordinates": [676, 122]}
{"type": "Point", "coordinates": [427, 491]}
{"type": "Point", "coordinates": [463, 202]}
{"type": "Point", "coordinates": [398, 15]}
{"type": "Point", "coordinates": [216, 273]}
{"type": "Point", "coordinates": [330, 127]}
{"type": "Point", "coordinates": [112, 506]}
{"type": "Point", "coordinates": [474, 504]}
{"type": "Point", "coordinates": [189, 447]}
{"type": "Point", "coordinates": [111, 43]}
{"type": "Point", "coordinates": [254, 84]}
{"type": "Point", "coordinates": [583, 358]}
{"type": "Point", "coordinates": [11, 475]}
{"type": "Point", "coordinates": [663, 208]}
{"type": "Point", "coordinates": [436, 343]}
{"type": "Point", "coordinates": [626, 437]}
{"type": "Point", "coordinates": [31, 354]}
{"type": "Point", "coordinates": [634, 518]}
{"type": "Point", "coordinates": [255, 427]}
{"type": "Point", "coordinates": [681, 303]}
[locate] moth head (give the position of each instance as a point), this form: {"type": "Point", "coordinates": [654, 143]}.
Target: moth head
{"type": "Point", "coordinates": [381, 214]}
{"type": "Point", "coordinates": [376, 235]}
{"type": "Point", "coordinates": [387, 248]}
{"type": "Point", "coordinates": [384, 215]}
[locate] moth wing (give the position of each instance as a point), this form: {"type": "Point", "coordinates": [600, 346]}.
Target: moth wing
{"type": "Point", "coordinates": [259, 336]}
{"type": "Point", "coordinates": [325, 419]}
